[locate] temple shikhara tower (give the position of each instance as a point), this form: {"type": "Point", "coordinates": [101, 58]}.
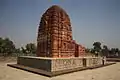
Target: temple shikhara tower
{"type": "Point", "coordinates": [55, 35]}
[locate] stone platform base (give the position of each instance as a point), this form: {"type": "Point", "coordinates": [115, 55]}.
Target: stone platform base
{"type": "Point", "coordinates": [55, 66]}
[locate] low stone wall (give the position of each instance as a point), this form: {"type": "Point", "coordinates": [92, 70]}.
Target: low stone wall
{"type": "Point", "coordinates": [35, 62]}
{"type": "Point", "coordinates": [70, 63]}
{"type": "Point", "coordinates": [58, 64]}
{"type": "Point", "coordinates": [66, 63]}
{"type": "Point", "coordinates": [93, 61]}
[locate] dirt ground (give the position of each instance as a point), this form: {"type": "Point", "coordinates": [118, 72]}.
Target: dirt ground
{"type": "Point", "coordinates": [111, 72]}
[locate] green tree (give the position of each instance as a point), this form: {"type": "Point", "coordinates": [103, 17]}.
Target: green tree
{"type": "Point", "coordinates": [1, 46]}
{"type": "Point", "coordinates": [105, 50]}
{"type": "Point", "coordinates": [97, 48]}
{"type": "Point", "coordinates": [117, 51]}
{"type": "Point", "coordinates": [31, 48]}
{"type": "Point", "coordinates": [23, 50]}
{"type": "Point", "coordinates": [18, 52]}
{"type": "Point", "coordinates": [10, 47]}
{"type": "Point", "coordinates": [114, 52]}
{"type": "Point", "coordinates": [7, 47]}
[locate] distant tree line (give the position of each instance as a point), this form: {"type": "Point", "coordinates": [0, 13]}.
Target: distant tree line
{"type": "Point", "coordinates": [97, 50]}
{"type": "Point", "coordinates": [7, 48]}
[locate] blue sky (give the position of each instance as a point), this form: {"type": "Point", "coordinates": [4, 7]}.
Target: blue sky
{"type": "Point", "coordinates": [92, 20]}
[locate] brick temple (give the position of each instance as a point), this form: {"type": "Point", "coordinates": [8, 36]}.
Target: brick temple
{"type": "Point", "coordinates": [55, 35]}
{"type": "Point", "coordinates": [57, 52]}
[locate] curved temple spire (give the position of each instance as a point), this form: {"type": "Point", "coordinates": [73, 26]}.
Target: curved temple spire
{"type": "Point", "coordinates": [55, 34]}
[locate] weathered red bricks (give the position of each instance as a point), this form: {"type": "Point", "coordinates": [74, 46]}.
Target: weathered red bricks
{"type": "Point", "coordinates": [55, 35]}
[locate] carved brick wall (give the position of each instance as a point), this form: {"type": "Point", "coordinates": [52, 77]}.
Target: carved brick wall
{"type": "Point", "coordinates": [55, 34]}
